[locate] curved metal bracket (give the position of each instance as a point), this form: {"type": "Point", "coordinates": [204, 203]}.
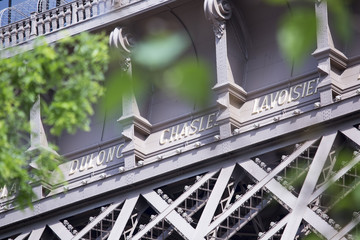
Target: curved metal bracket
{"type": "Point", "coordinates": [121, 40]}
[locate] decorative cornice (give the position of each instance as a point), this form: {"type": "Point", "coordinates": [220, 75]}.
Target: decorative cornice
{"type": "Point", "coordinates": [217, 11]}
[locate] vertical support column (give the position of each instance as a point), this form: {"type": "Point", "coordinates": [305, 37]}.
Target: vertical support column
{"type": "Point", "coordinates": [327, 56]}
{"type": "Point", "coordinates": [21, 33]}
{"type": "Point", "coordinates": [40, 25]}
{"type": "Point", "coordinates": [54, 19]}
{"type": "Point", "coordinates": [74, 12]}
{"type": "Point", "coordinates": [7, 37]}
{"type": "Point", "coordinates": [27, 30]}
{"type": "Point", "coordinates": [87, 10]}
{"type": "Point", "coordinates": [47, 21]}
{"type": "Point", "coordinates": [13, 35]}
{"type": "Point", "coordinates": [218, 12]}
{"type": "Point", "coordinates": [80, 11]}
{"type": "Point", "coordinates": [67, 16]}
{"type": "Point", "coordinates": [61, 17]}
{"type": "Point", "coordinates": [131, 120]}
{"type": "Point", "coordinates": [33, 25]}
{"type": "Point", "coordinates": [94, 8]}
{"type": "Point", "coordinates": [1, 40]}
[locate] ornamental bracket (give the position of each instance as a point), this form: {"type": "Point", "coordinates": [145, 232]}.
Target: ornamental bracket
{"type": "Point", "coordinates": [218, 11]}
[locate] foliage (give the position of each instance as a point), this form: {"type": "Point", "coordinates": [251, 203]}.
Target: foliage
{"type": "Point", "coordinates": [67, 76]}
{"type": "Point", "coordinates": [297, 28]}
{"type": "Point", "coordinates": [159, 62]}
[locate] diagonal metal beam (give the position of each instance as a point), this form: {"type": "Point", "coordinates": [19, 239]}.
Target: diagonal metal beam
{"type": "Point", "coordinates": [353, 134]}
{"type": "Point", "coordinates": [276, 228]}
{"type": "Point", "coordinates": [36, 234]}
{"type": "Point", "coordinates": [333, 179]}
{"type": "Point", "coordinates": [121, 220]}
{"type": "Point", "coordinates": [61, 231]}
{"type": "Point", "coordinates": [172, 206]}
{"type": "Point", "coordinates": [172, 216]}
{"type": "Point", "coordinates": [308, 186]}
{"type": "Point", "coordinates": [290, 200]}
{"type": "Point", "coordinates": [213, 201]}
{"type": "Point", "coordinates": [309, 216]}
{"type": "Point", "coordinates": [22, 236]}
{"type": "Point", "coordinates": [247, 218]}
{"type": "Point", "coordinates": [263, 178]}
{"type": "Point", "coordinates": [345, 230]}
{"type": "Point", "coordinates": [100, 217]}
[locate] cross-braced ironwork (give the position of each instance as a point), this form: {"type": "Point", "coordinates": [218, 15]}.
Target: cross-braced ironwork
{"type": "Point", "coordinates": [296, 195]}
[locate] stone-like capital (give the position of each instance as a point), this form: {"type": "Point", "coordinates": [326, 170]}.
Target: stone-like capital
{"type": "Point", "coordinates": [217, 11]}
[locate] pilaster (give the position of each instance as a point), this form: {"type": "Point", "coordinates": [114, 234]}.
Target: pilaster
{"type": "Point", "coordinates": [229, 93]}
{"type": "Point", "coordinates": [331, 61]}
{"type": "Point", "coordinates": [133, 123]}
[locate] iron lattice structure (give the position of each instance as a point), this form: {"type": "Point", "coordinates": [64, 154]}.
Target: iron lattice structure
{"type": "Point", "coordinates": [295, 196]}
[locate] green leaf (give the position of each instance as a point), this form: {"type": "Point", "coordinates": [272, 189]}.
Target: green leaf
{"type": "Point", "coordinates": [340, 10]}
{"type": "Point", "coordinates": [297, 34]}
{"type": "Point", "coordinates": [189, 79]}
{"type": "Point", "coordinates": [160, 51]}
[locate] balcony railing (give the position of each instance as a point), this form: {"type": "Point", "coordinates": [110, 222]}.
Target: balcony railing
{"type": "Point", "coordinates": [41, 23]}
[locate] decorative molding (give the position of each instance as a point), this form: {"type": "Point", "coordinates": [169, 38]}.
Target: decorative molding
{"type": "Point", "coordinates": [218, 11]}
{"type": "Point", "coordinates": [122, 40]}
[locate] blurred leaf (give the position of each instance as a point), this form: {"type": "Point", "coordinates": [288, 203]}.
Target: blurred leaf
{"type": "Point", "coordinates": [276, 2]}
{"type": "Point", "coordinates": [297, 33]}
{"type": "Point", "coordinates": [340, 11]}
{"type": "Point", "coordinates": [189, 79]}
{"type": "Point", "coordinates": [159, 51]}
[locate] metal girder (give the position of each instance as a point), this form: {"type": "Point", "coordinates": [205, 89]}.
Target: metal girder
{"type": "Point", "coordinates": [247, 218]}
{"type": "Point", "coordinates": [96, 221]}
{"type": "Point", "coordinates": [172, 206]}
{"type": "Point", "coordinates": [262, 177]}
{"type": "Point", "coordinates": [334, 178]}
{"type": "Point", "coordinates": [213, 202]}
{"type": "Point", "coordinates": [353, 134]}
{"type": "Point", "coordinates": [278, 226]}
{"type": "Point", "coordinates": [22, 236]}
{"type": "Point", "coordinates": [36, 233]}
{"type": "Point", "coordinates": [172, 216]}
{"type": "Point", "coordinates": [308, 186]}
{"type": "Point", "coordinates": [61, 231]}
{"type": "Point", "coordinates": [290, 200]}
{"type": "Point", "coordinates": [120, 222]}
{"type": "Point", "coordinates": [345, 230]}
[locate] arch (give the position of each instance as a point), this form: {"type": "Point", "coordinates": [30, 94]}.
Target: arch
{"type": "Point", "coordinates": [10, 15]}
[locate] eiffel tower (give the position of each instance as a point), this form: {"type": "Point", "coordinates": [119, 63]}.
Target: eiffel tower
{"type": "Point", "coordinates": [275, 154]}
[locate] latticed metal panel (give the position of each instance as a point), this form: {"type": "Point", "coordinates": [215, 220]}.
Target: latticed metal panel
{"type": "Point", "coordinates": [296, 192]}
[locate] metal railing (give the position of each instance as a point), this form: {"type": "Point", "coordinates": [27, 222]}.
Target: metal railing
{"type": "Point", "coordinates": [41, 23]}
